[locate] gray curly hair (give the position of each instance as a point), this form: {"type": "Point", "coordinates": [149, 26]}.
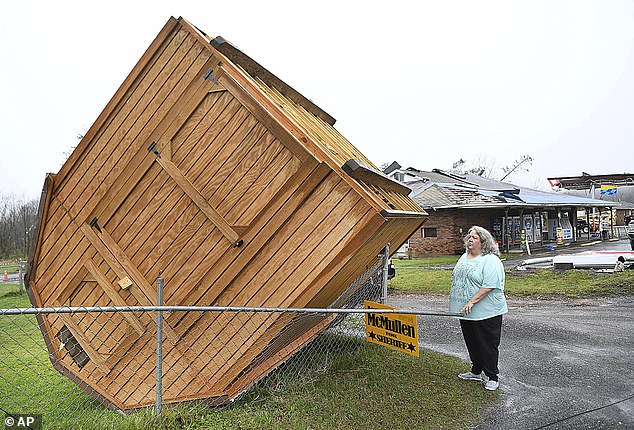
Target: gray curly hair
{"type": "Point", "coordinates": [489, 245]}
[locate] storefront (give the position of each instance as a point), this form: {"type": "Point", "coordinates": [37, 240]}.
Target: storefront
{"type": "Point", "coordinates": [541, 226]}
{"type": "Point", "coordinates": [516, 216]}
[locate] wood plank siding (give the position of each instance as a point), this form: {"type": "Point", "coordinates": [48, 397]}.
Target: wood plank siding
{"type": "Point", "coordinates": [206, 168]}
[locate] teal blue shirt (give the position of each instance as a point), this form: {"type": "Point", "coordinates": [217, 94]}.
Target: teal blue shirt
{"type": "Point", "coordinates": [469, 275]}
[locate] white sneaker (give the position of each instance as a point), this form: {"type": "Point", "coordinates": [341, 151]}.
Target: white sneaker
{"type": "Point", "coordinates": [492, 385]}
{"type": "Point", "coordinates": [470, 376]}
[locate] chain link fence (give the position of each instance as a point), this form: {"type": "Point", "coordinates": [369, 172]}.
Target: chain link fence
{"type": "Point", "coordinates": [118, 367]}
{"type": "Point", "coordinates": [13, 273]}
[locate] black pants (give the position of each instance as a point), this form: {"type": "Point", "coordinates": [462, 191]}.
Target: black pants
{"type": "Point", "coordinates": [483, 340]}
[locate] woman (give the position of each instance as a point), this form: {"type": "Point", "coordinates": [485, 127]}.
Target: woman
{"type": "Point", "coordinates": [477, 291]}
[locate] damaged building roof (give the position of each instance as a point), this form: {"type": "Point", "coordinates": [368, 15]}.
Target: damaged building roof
{"type": "Point", "coordinates": [439, 189]}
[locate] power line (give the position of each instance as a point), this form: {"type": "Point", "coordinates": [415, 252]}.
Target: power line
{"type": "Point", "coordinates": [584, 412]}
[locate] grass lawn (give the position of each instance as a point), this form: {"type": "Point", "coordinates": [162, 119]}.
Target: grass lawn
{"type": "Point", "coordinates": [442, 260]}
{"type": "Point", "coordinates": [417, 276]}
{"type": "Point", "coordinates": [366, 387]}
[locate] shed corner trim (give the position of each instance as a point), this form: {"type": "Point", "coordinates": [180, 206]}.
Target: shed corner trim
{"type": "Point", "coordinates": [360, 171]}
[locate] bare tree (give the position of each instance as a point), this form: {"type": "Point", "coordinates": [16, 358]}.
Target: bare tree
{"type": "Point", "coordinates": [484, 166]}
{"type": "Point", "coordinates": [17, 221]}
{"type": "Point", "coordinates": [521, 163]}
{"type": "Point", "coordinates": [458, 166]}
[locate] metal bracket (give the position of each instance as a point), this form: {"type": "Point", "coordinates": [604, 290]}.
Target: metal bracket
{"type": "Point", "coordinates": [153, 150]}
{"type": "Point", "coordinates": [95, 223]}
{"type": "Point", "coordinates": [209, 75]}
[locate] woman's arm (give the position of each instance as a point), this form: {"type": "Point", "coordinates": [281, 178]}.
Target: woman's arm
{"type": "Point", "coordinates": [475, 299]}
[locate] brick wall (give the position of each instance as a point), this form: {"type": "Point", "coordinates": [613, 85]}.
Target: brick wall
{"type": "Point", "coordinates": [451, 226]}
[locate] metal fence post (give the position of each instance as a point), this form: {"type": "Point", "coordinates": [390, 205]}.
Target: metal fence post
{"type": "Point", "coordinates": [21, 280]}
{"type": "Point", "coordinates": [159, 348]}
{"type": "Point", "coordinates": [386, 269]}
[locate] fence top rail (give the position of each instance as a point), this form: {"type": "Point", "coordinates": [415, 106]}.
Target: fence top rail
{"type": "Point", "coordinates": [102, 309]}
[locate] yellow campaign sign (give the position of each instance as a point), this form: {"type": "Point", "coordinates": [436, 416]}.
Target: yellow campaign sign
{"type": "Point", "coordinates": [395, 331]}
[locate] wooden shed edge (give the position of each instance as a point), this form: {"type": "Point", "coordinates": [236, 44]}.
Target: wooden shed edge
{"type": "Point", "coordinates": [360, 171]}
{"type": "Point", "coordinates": [36, 242]}
{"type": "Point", "coordinates": [255, 69]}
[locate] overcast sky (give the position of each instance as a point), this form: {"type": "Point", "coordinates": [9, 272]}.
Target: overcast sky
{"type": "Point", "coordinates": [424, 83]}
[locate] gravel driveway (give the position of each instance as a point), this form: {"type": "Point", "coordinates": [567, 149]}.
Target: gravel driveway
{"type": "Point", "coordinates": [561, 362]}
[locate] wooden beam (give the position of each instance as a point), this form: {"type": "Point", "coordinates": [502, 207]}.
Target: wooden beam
{"type": "Point", "coordinates": [78, 334]}
{"type": "Point", "coordinates": [256, 70]}
{"type": "Point", "coordinates": [189, 189]}
{"type": "Point", "coordinates": [116, 298]}
{"type": "Point", "coordinates": [120, 264]}
{"type": "Point", "coordinates": [139, 164]}
{"type": "Point", "coordinates": [42, 218]}
{"type": "Point", "coordinates": [361, 172]}
{"type": "Point", "coordinates": [390, 214]}
{"type": "Point", "coordinates": [123, 266]}
{"type": "Point", "coordinates": [259, 111]}
{"type": "Point", "coordinates": [122, 348]}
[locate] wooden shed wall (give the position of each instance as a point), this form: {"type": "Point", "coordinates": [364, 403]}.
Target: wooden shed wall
{"type": "Point", "coordinates": [106, 151]}
{"type": "Point", "coordinates": [335, 149]}
{"type": "Point", "coordinates": [218, 347]}
{"type": "Point", "coordinates": [221, 167]}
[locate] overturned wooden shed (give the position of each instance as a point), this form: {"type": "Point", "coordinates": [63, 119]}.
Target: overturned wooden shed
{"type": "Point", "coordinates": [208, 168]}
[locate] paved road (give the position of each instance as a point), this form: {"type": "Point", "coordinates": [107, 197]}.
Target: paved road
{"type": "Point", "coordinates": [557, 359]}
